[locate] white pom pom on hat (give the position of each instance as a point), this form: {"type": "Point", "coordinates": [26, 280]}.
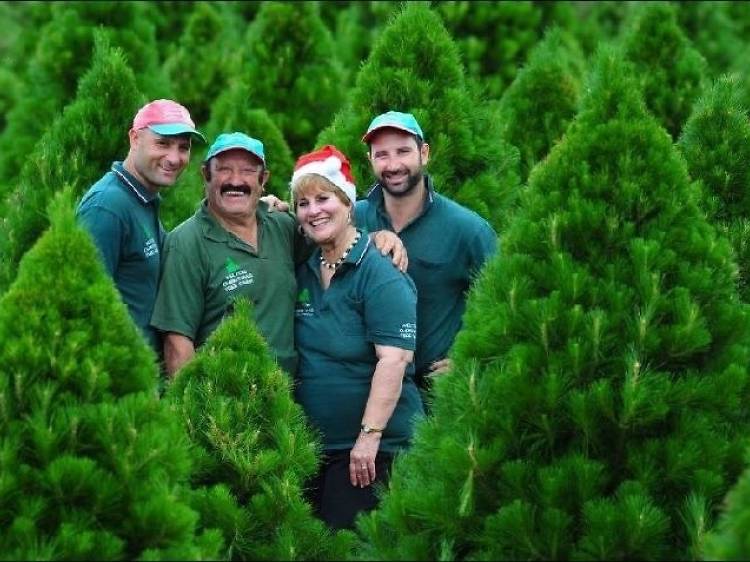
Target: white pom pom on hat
{"type": "Point", "coordinates": [328, 162]}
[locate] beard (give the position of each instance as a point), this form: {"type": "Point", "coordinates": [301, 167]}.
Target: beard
{"type": "Point", "coordinates": [412, 181]}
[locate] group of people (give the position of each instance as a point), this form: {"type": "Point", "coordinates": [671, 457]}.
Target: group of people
{"type": "Point", "coordinates": [359, 301]}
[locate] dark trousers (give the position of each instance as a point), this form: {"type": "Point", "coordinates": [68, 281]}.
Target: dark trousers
{"type": "Point", "coordinates": [332, 495]}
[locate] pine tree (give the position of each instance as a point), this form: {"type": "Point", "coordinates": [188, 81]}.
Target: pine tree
{"type": "Point", "coordinates": [731, 538]}
{"type": "Point", "coordinates": [93, 465]}
{"type": "Point", "coordinates": [204, 59]}
{"type": "Point", "coordinates": [292, 70]}
{"type": "Point", "coordinates": [670, 69]}
{"type": "Point", "coordinates": [714, 32]}
{"type": "Point", "coordinates": [494, 38]}
{"type": "Point", "coordinates": [597, 408]}
{"type": "Point", "coordinates": [716, 146]}
{"type": "Point", "coordinates": [76, 150]}
{"type": "Point", "coordinates": [537, 107]}
{"type": "Point", "coordinates": [64, 52]}
{"type": "Point", "coordinates": [420, 73]}
{"type": "Point", "coordinates": [255, 442]}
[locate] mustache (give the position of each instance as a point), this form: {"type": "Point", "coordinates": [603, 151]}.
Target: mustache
{"type": "Point", "coordinates": [243, 187]}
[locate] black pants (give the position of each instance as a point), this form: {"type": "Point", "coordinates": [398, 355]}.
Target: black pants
{"type": "Point", "coordinates": [332, 495]}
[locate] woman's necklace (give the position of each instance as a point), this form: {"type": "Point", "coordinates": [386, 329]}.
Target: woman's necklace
{"type": "Point", "coordinates": [325, 263]}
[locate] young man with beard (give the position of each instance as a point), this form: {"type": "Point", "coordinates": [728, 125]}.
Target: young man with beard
{"type": "Point", "coordinates": [234, 247]}
{"type": "Point", "coordinates": [121, 210]}
{"type": "Point", "coordinates": [446, 243]}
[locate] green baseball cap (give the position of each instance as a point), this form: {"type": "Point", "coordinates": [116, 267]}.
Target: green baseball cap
{"type": "Point", "coordinates": [230, 141]}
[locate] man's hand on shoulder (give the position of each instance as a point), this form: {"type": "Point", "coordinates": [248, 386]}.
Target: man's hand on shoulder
{"type": "Point", "coordinates": [275, 204]}
{"type": "Point", "coordinates": [389, 243]}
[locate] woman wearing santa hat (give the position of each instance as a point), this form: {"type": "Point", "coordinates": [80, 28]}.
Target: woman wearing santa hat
{"type": "Point", "coordinates": [355, 332]}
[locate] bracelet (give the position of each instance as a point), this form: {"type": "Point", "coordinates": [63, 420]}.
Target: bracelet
{"type": "Point", "coordinates": [369, 429]}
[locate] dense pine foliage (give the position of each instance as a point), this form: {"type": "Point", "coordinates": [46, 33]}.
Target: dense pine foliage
{"type": "Point", "coordinates": [597, 406]}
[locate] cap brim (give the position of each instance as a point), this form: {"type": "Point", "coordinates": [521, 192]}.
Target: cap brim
{"type": "Point", "coordinates": [170, 129]}
{"type": "Point", "coordinates": [211, 154]}
{"type": "Point", "coordinates": [366, 137]}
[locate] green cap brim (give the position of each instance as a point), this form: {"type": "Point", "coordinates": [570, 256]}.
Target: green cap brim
{"type": "Point", "coordinates": [170, 129]}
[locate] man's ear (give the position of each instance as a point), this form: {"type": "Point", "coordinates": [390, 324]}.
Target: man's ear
{"type": "Point", "coordinates": [133, 137]}
{"type": "Point", "coordinates": [264, 179]}
{"type": "Point", "coordinates": [425, 152]}
{"type": "Point", "coordinates": [205, 173]}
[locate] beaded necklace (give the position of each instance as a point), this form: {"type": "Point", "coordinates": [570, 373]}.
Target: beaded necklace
{"type": "Point", "coordinates": [339, 261]}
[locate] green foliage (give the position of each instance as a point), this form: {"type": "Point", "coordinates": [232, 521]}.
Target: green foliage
{"type": "Point", "coordinates": [292, 70]}
{"type": "Point", "coordinates": [238, 408]}
{"type": "Point", "coordinates": [355, 26]}
{"type": "Point", "coordinates": [597, 408]}
{"type": "Point", "coordinates": [716, 146]}
{"type": "Point", "coordinates": [731, 538]}
{"type": "Point", "coordinates": [64, 51]}
{"type": "Point", "coordinates": [713, 30]}
{"type": "Point", "coordinates": [409, 70]}
{"type": "Point", "coordinates": [537, 107]}
{"type": "Point", "coordinates": [203, 61]}
{"type": "Point", "coordinates": [76, 150]}
{"type": "Point", "coordinates": [494, 38]}
{"type": "Point", "coordinates": [670, 70]}
{"type": "Point", "coordinates": [93, 465]}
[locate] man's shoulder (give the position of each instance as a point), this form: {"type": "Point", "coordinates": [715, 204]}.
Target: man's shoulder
{"type": "Point", "coordinates": [458, 214]}
{"type": "Point", "coordinates": [105, 193]}
{"type": "Point", "coordinates": [188, 231]}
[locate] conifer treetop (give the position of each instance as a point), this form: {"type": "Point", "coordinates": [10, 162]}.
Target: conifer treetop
{"type": "Point", "coordinates": [255, 442]}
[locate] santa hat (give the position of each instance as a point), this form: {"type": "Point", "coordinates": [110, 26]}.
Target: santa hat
{"type": "Point", "coordinates": [330, 163]}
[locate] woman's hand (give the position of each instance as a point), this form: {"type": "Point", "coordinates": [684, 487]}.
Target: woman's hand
{"type": "Point", "coordinates": [362, 459]}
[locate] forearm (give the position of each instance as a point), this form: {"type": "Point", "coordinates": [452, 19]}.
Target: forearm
{"type": "Point", "coordinates": [385, 391]}
{"type": "Point", "coordinates": [178, 350]}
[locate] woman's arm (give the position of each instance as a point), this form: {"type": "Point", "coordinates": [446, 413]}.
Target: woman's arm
{"type": "Point", "coordinates": [385, 390]}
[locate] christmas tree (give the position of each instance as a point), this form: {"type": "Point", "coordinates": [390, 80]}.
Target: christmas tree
{"type": "Point", "coordinates": [292, 70]}
{"type": "Point", "coordinates": [537, 107]}
{"type": "Point", "coordinates": [64, 51]}
{"type": "Point", "coordinates": [716, 146]}
{"type": "Point", "coordinates": [76, 150]}
{"type": "Point", "coordinates": [93, 465]}
{"type": "Point", "coordinates": [255, 442]}
{"type": "Point", "coordinates": [670, 69]}
{"type": "Point", "coordinates": [422, 74]}
{"type": "Point", "coordinates": [597, 407]}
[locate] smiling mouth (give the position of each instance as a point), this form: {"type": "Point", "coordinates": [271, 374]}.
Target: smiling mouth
{"type": "Point", "coordinates": [235, 190]}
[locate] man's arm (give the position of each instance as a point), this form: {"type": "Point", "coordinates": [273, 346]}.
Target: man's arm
{"type": "Point", "coordinates": [178, 350]}
{"type": "Point", "coordinates": [106, 231]}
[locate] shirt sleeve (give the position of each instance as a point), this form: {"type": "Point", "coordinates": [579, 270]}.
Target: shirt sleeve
{"type": "Point", "coordinates": [107, 232]}
{"type": "Point", "coordinates": [483, 246]}
{"type": "Point", "coordinates": [180, 296]}
{"type": "Point", "coordinates": [391, 312]}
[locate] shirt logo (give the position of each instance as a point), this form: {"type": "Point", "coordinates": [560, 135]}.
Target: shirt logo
{"type": "Point", "coordinates": [303, 307]}
{"type": "Point", "coordinates": [236, 277]}
{"type": "Point", "coordinates": [408, 331]}
{"type": "Point", "coordinates": [150, 247]}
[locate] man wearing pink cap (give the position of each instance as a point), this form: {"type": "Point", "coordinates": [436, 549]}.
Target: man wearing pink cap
{"type": "Point", "coordinates": [121, 210]}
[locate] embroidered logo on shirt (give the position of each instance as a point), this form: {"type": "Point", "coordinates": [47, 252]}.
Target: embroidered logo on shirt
{"type": "Point", "coordinates": [236, 277]}
{"type": "Point", "coordinates": [408, 331]}
{"type": "Point", "coordinates": [150, 247]}
{"type": "Point", "coordinates": [303, 307]}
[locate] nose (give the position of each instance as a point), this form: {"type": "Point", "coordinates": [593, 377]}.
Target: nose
{"type": "Point", "coordinates": [174, 156]}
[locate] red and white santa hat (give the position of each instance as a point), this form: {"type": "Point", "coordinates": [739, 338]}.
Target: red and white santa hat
{"type": "Point", "coordinates": [330, 163]}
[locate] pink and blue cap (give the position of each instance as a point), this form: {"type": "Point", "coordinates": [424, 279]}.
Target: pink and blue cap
{"type": "Point", "coordinates": [395, 120]}
{"type": "Point", "coordinates": [166, 117]}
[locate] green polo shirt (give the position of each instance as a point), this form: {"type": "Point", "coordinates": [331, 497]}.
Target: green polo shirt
{"type": "Point", "coordinates": [447, 244]}
{"type": "Point", "coordinates": [207, 267]}
{"type": "Point", "coordinates": [367, 302]}
{"type": "Point", "coordinates": [122, 217]}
